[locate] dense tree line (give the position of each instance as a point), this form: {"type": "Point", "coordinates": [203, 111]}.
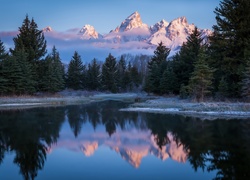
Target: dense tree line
{"type": "Point", "coordinates": [218, 66]}
{"type": "Point", "coordinates": [28, 69]}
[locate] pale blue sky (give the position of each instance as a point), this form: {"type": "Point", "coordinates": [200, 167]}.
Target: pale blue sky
{"type": "Point", "coordinates": [104, 15]}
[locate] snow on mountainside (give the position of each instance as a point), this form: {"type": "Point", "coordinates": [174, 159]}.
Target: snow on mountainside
{"type": "Point", "coordinates": [131, 22]}
{"type": "Point", "coordinates": [175, 33]}
{"type": "Point", "coordinates": [131, 29]}
{"type": "Point", "coordinates": [89, 32]}
{"type": "Point", "coordinates": [172, 34]}
{"type": "Point", "coordinates": [159, 26]}
{"type": "Point", "coordinates": [47, 29]}
{"type": "Point", "coordinates": [131, 34]}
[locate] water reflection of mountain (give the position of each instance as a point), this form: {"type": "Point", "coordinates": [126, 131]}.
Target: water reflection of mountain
{"type": "Point", "coordinates": [132, 146]}
{"type": "Point", "coordinates": [220, 145]}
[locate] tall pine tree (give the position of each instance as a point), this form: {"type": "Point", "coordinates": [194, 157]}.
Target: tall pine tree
{"type": "Point", "coordinates": [32, 41]}
{"type": "Point", "coordinates": [229, 42]}
{"type": "Point", "coordinates": [93, 75]}
{"type": "Point", "coordinates": [185, 59]}
{"type": "Point", "coordinates": [121, 74]}
{"type": "Point", "coordinates": [245, 92]}
{"type": "Point", "coordinates": [200, 82]}
{"type": "Point", "coordinates": [75, 72]}
{"type": "Point", "coordinates": [109, 74]}
{"type": "Point", "coordinates": [156, 67]}
{"type": "Point", "coordinates": [53, 76]}
{"type": "Point", "coordinates": [27, 83]}
{"type": "Point", "coordinates": [3, 56]}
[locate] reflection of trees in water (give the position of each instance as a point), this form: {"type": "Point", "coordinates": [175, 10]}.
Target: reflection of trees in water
{"type": "Point", "coordinates": [29, 133]}
{"type": "Point", "coordinates": [30, 158]}
{"type": "Point", "coordinates": [220, 145]}
{"type": "Point", "coordinates": [102, 113]}
{"type": "Point", "coordinates": [76, 117]}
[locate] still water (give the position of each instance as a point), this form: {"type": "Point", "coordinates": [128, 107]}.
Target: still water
{"type": "Point", "coordinates": [97, 141]}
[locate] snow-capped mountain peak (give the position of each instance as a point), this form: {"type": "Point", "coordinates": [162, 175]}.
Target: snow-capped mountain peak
{"type": "Point", "coordinates": [47, 29]}
{"type": "Point", "coordinates": [181, 20]}
{"type": "Point", "coordinates": [162, 24]}
{"type": "Point", "coordinates": [89, 32]}
{"type": "Point", "coordinates": [131, 22]}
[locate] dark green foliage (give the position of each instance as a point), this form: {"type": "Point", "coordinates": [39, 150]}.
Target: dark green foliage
{"type": "Point", "coordinates": [156, 68]}
{"type": "Point", "coordinates": [121, 74]}
{"type": "Point", "coordinates": [110, 75]}
{"type": "Point", "coordinates": [169, 82]}
{"type": "Point", "coordinates": [246, 82]}
{"type": "Point", "coordinates": [223, 88]}
{"type": "Point", "coordinates": [31, 39]}
{"type": "Point", "coordinates": [17, 74]}
{"type": "Point", "coordinates": [132, 79]}
{"type": "Point", "coordinates": [3, 53]}
{"type": "Point", "coordinates": [201, 80]}
{"type": "Point", "coordinates": [184, 60]}
{"type": "Point", "coordinates": [53, 75]}
{"type": "Point", "coordinates": [32, 42]}
{"type": "Point", "coordinates": [229, 43]}
{"type": "Point", "coordinates": [93, 76]}
{"type": "Point", "coordinates": [28, 84]}
{"type": "Point", "coordinates": [3, 56]}
{"type": "Point", "coordinates": [13, 76]}
{"type": "Point", "coordinates": [75, 72]}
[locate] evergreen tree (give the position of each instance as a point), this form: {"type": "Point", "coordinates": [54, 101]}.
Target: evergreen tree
{"type": "Point", "coordinates": [93, 75]}
{"type": "Point", "coordinates": [246, 82]}
{"type": "Point", "coordinates": [121, 74]}
{"type": "Point", "coordinates": [31, 39]}
{"type": "Point", "coordinates": [53, 78]}
{"type": "Point", "coordinates": [13, 74]}
{"type": "Point", "coordinates": [75, 72]}
{"type": "Point", "coordinates": [84, 77]}
{"type": "Point", "coordinates": [169, 82]}
{"type": "Point", "coordinates": [3, 53]}
{"type": "Point", "coordinates": [109, 74]}
{"type": "Point", "coordinates": [156, 67]}
{"type": "Point", "coordinates": [33, 42]}
{"type": "Point", "coordinates": [229, 42]}
{"type": "Point", "coordinates": [3, 56]}
{"type": "Point", "coordinates": [185, 59]}
{"type": "Point", "coordinates": [127, 78]}
{"type": "Point", "coordinates": [27, 83]}
{"type": "Point", "coordinates": [201, 80]}
{"type": "Point", "coordinates": [223, 88]}
{"type": "Point", "coordinates": [135, 77]}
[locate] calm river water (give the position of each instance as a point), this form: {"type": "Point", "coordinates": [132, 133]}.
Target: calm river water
{"type": "Point", "coordinates": [97, 141]}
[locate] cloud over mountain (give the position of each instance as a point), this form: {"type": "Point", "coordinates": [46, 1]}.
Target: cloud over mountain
{"type": "Point", "coordinates": [132, 35]}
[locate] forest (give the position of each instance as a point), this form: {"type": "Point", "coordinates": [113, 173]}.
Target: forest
{"type": "Point", "coordinates": [218, 67]}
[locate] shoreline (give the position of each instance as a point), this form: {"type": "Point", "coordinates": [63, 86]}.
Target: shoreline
{"type": "Point", "coordinates": [148, 104]}
{"type": "Point", "coordinates": [36, 101]}
{"type": "Point", "coordinates": [203, 110]}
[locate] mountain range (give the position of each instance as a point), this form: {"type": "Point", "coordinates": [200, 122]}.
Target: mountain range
{"type": "Point", "coordinates": [133, 33]}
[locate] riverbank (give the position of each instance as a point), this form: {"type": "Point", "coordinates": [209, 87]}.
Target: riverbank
{"type": "Point", "coordinates": [63, 98]}
{"type": "Point", "coordinates": [149, 104]}
{"type": "Point", "coordinates": [204, 110]}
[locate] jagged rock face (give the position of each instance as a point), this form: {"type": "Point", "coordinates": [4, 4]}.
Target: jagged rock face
{"type": "Point", "coordinates": [131, 22]}
{"type": "Point", "coordinates": [47, 29]}
{"type": "Point", "coordinates": [88, 32]}
{"type": "Point", "coordinates": [159, 26]}
{"type": "Point", "coordinates": [135, 34]}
